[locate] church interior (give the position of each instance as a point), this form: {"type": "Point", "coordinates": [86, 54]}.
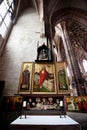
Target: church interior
{"type": "Point", "coordinates": [43, 62]}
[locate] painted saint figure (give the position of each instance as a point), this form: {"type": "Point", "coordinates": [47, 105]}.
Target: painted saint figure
{"type": "Point", "coordinates": [43, 55]}
{"type": "Point", "coordinates": [43, 80]}
{"type": "Point", "coordinates": [62, 79]}
{"type": "Point", "coordinates": [43, 75]}
{"type": "Point", "coordinates": [25, 81]}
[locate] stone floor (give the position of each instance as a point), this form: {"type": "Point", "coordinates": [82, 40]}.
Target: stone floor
{"type": "Point", "coordinates": [80, 118]}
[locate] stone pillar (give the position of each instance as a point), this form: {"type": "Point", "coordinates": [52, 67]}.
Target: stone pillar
{"type": "Point", "coordinates": [42, 32]}
{"type": "Point", "coordinates": [59, 53]}
{"type": "Point", "coordinates": [57, 47]}
{"type": "Point", "coordinates": [73, 62]}
{"type": "Point", "coordinates": [41, 14]}
{"type": "Point", "coordinates": [67, 56]}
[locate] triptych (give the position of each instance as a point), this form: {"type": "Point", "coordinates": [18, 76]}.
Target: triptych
{"type": "Point", "coordinates": [43, 78]}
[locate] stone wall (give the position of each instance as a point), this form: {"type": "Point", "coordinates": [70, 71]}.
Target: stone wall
{"type": "Point", "coordinates": [21, 47]}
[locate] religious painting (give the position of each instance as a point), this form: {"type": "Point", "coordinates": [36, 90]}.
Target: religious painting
{"type": "Point", "coordinates": [62, 78]}
{"type": "Point", "coordinates": [76, 104]}
{"type": "Point", "coordinates": [43, 54]}
{"type": "Point", "coordinates": [25, 78]}
{"type": "Point", "coordinates": [44, 78]}
{"type": "Point", "coordinates": [11, 103]}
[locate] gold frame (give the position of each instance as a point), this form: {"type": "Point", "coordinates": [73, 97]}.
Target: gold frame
{"type": "Point", "coordinates": [62, 78]}
{"type": "Point", "coordinates": [40, 84]}
{"type": "Point", "coordinates": [76, 104]}
{"type": "Point", "coordinates": [25, 78]}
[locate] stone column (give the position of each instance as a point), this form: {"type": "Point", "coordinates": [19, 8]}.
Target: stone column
{"type": "Point", "coordinates": [41, 14]}
{"type": "Point", "coordinates": [42, 32]}
{"type": "Point", "coordinates": [73, 62]}
{"type": "Point", "coordinates": [57, 47]}
{"type": "Point", "coordinates": [67, 55]}
{"type": "Point", "coordinates": [59, 53]}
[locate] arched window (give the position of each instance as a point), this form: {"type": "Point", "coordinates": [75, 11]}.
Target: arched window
{"type": "Point", "coordinates": [85, 65]}
{"type": "Point", "coordinates": [6, 10]}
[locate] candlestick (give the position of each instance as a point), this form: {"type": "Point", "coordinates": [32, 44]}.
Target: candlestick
{"type": "Point", "coordinates": [24, 103]}
{"type": "Point", "coordinates": [61, 103]}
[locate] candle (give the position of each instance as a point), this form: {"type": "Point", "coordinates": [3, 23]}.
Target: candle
{"type": "Point", "coordinates": [61, 103]}
{"type": "Point", "coordinates": [24, 103]}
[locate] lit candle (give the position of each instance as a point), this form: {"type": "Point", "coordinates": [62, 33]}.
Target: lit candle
{"type": "Point", "coordinates": [61, 103]}
{"type": "Point", "coordinates": [24, 103]}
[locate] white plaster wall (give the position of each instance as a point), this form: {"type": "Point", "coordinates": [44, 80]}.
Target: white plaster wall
{"type": "Point", "coordinates": [21, 47]}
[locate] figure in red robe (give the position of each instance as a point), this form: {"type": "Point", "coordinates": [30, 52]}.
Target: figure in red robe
{"type": "Point", "coordinates": [43, 75]}
{"type": "Point", "coordinates": [80, 105]}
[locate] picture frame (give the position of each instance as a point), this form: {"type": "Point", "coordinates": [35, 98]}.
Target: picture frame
{"type": "Point", "coordinates": [62, 78]}
{"type": "Point", "coordinates": [76, 104]}
{"type": "Point", "coordinates": [11, 103]}
{"type": "Point", "coordinates": [44, 81]}
{"type": "Point", "coordinates": [43, 53]}
{"type": "Point", "coordinates": [25, 78]}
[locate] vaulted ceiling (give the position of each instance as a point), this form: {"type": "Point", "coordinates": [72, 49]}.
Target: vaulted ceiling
{"type": "Point", "coordinates": [73, 12]}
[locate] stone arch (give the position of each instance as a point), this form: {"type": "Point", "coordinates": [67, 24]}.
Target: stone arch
{"type": "Point", "coordinates": [77, 15]}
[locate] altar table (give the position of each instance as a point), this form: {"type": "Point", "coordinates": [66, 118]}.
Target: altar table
{"type": "Point", "coordinates": [44, 122]}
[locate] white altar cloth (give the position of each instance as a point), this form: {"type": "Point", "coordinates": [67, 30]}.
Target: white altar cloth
{"type": "Point", "coordinates": [44, 122]}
